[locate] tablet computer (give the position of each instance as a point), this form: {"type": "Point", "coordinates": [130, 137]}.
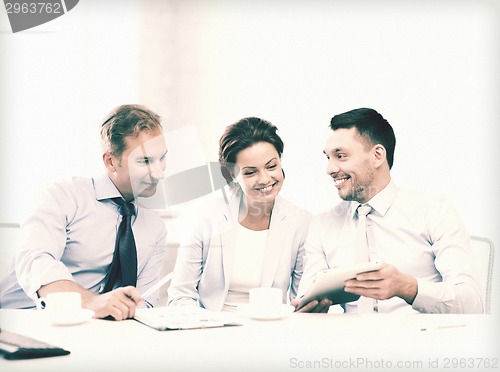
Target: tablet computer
{"type": "Point", "coordinates": [330, 283]}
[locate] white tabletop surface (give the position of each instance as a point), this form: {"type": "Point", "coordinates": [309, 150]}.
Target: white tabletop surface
{"type": "Point", "coordinates": [298, 342]}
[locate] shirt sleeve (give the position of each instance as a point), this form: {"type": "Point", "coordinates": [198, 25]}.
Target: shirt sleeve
{"type": "Point", "coordinates": [43, 242]}
{"type": "Point", "coordinates": [314, 259]}
{"type": "Point", "coordinates": [189, 263]}
{"type": "Point", "coordinates": [298, 269]}
{"type": "Point", "coordinates": [150, 274]}
{"type": "Point", "coordinates": [459, 291]}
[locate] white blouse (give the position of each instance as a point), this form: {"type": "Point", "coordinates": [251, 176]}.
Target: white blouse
{"type": "Point", "coordinates": [247, 265]}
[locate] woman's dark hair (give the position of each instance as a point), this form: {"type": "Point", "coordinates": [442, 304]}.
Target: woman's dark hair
{"type": "Point", "coordinates": [241, 135]}
{"type": "Point", "coordinates": [371, 126]}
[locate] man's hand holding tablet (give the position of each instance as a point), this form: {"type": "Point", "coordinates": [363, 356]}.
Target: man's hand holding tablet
{"type": "Point", "coordinates": [328, 287]}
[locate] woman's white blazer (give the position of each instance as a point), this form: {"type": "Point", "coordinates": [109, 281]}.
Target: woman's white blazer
{"type": "Point", "coordinates": [207, 241]}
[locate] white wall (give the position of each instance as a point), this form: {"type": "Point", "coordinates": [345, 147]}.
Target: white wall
{"type": "Point", "coordinates": [58, 81]}
{"type": "Point", "coordinates": [431, 68]}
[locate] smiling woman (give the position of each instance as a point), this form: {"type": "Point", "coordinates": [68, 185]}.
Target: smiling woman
{"type": "Point", "coordinates": [260, 178]}
{"type": "Point", "coordinates": [253, 239]}
{"type": "Point", "coordinates": [250, 156]}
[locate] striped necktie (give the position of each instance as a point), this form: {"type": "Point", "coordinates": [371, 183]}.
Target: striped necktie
{"type": "Point", "coordinates": [362, 240]}
{"type": "Point", "coordinates": [364, 304]}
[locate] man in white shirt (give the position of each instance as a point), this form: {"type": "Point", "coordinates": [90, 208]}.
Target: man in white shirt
{"type": "Point", "coordinates": [69, 240]}
{"type": "Point", "coordinates": [419, 237]}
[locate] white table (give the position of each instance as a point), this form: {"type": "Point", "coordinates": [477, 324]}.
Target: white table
{"type": "Point", "coordinates": [299, 342]}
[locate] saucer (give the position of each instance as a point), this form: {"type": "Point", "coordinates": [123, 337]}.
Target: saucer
{"type": "Point", "coordinates": [275, 313]}
{"type": "Point", "coordinates": [72, 318]}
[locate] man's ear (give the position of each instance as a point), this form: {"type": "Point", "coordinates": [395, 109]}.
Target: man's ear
{"type": "Point", "coordinates": [110, 161]}
{"type": "Point", "coordinates": [379, 155]}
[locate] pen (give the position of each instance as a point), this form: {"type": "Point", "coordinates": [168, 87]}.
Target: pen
{"type": "Point", "coordinates": [160, 283]}
{"type": "Point", "coordinates": [445, 326]}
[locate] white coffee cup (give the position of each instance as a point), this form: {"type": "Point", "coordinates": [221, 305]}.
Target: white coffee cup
{"type": "Point", "coordinates": [265, 299]}
{"type": "Point", "coordinates": [60, 302]}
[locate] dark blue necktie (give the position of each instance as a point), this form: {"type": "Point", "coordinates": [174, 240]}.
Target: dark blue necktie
{"type": "Point", "coordinates": [124, 266]}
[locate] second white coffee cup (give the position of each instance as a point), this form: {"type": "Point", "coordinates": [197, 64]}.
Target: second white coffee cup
{"type": "Point", "coordinates": [262, 299]}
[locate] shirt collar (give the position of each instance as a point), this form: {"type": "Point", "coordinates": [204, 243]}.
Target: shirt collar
{"type": "Point", "coordinates": [105, 188]}
{"type": "Point", "coordinates": [382, 201]}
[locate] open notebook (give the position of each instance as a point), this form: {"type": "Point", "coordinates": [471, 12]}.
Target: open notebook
{"type": "Point", "coordinates": [183, 317]}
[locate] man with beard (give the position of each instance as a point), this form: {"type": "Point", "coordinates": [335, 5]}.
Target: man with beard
{"type": "Point", "coordinates": [419, 237]}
